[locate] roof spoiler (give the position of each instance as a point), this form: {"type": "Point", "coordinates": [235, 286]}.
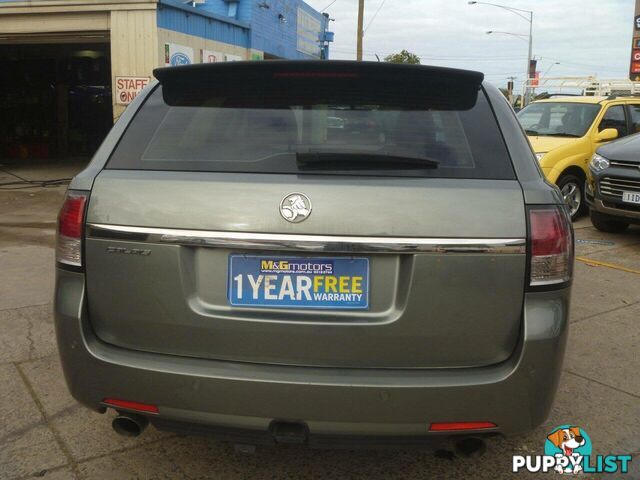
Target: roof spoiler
{"type": "Point", "coordinates": [200, 70]}
{"type": "Point", "coordinates": [432, 87]}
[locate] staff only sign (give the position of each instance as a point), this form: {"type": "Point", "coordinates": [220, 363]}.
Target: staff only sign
{"type": "Point", "coordinates": [128, 87]}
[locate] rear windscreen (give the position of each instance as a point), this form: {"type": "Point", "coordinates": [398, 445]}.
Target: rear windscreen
{"type": "Point", "coordinates": [316, 126]}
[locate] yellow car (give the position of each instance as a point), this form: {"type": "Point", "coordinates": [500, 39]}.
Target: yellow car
{"type": "Point", "coordinates": [566, 131]}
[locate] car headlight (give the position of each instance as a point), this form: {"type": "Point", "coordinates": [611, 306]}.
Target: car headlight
{"type": "Point", "coordinates": [598, 163]}
{"type": "Point", "coordinates": [540, 155]}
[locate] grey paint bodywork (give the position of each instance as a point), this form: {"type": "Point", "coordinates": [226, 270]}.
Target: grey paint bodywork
{"type": "Point", "coordinates": [410, 207]}
{"type": "Point", "coordinates": [203, 363]}
{"type": "Point", "coordinates": [416, 318]}
{"type": "Point", "coordinates": [515, 394]}
{"type": "Point", "coordinates": [535, 187]}
{"type": "Point", "coordinates": [627, 149]}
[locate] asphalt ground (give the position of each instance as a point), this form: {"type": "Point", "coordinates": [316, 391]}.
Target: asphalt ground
{"type": "Point", "coordinates": [44, 433]}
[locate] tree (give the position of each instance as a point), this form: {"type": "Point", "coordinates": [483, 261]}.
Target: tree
{"type": "Point", "coordinates": [403, 57]}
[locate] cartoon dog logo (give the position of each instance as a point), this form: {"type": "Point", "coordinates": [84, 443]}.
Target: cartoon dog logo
{"type": "Point", "coordinates": [568, 449]}
{"type": "Point", "coordinates": [567, 440]}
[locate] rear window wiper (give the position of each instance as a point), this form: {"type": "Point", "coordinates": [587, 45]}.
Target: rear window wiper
{"type": "Point", "coordinates": [360, 160]}
{"type": "Point", "coordinates": [530, 132]}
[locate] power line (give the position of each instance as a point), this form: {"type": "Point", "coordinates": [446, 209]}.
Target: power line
{"type": "Point", "coordinates": [499, 74]}
{"type": "Point", "coordinates": [487, 58]}
{"type": "Point", "coordinates": [583, 65]}
{"type": "Point", "coordinates": [23, 183]}
{"type": "Point", "coordinates": [336, 50]}
{"type": "Point", "coordinates": [438, 57]}
{"type": "Point", "coordinates": [374, 16]}
{"type": "Point", "coordinates": [334, 1]}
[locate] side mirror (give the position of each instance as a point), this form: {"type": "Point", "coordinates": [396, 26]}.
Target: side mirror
{"type": "Point", "coordinates": [606, 135]}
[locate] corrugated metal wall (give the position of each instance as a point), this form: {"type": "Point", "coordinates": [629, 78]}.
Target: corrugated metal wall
{"type": "Point", "coordinates": [273, 29]}
{"type": "Point", "coordinates": [271, 35]}
{"type": "Point", "coordinates": [204, 25]}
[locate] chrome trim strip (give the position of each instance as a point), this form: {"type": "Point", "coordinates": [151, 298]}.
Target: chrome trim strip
{"type": "Point", "coordinates": [314, 243]}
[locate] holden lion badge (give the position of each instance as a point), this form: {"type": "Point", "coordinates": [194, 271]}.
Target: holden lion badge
{"type": "Point", "coordinates": [295, 207]}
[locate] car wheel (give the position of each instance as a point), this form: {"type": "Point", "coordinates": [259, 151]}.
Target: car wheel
{"type": "Point", "coordinates": [607, 224]}
{"type": "Point", "coordinates": [572, 189]}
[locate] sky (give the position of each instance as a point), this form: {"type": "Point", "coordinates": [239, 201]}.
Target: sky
{"type": "Point", "coordinates": [586, 37]}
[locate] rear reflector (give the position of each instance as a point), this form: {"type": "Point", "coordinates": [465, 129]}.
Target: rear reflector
{"type": "Point", "coordinates": [458, 426]}
{"type": "Point", "coordinates": [70, 223]}
{"type": "Point", "coordinates": [129, 405]}
{"type": "Point", "coordinates": [551, 246]}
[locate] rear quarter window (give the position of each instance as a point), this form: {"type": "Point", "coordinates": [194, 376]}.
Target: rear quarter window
{"type": "Point", "coordinates": [265, 132]}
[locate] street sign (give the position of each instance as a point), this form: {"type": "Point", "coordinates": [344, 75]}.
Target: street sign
{"type": "Point", "coordinates": [535, 80]}
{"type": "Point", "coordinates": [533, 64]}
{"type": "Point", "coordinates": [634, 68]}
{"type": "Point", "coordinates": [128, 87]}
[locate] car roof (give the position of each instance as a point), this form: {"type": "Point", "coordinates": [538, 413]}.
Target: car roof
{"type": "Point", "coordinates": [572, 99]}
{"type": "Point", "coordinates": [585, 99]}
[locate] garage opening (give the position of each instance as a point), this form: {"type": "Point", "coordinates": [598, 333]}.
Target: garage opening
{"type": "Point", "coordinates": [55, 101]}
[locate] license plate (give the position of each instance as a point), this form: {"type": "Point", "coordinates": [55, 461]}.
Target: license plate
{"type": "Point", "coordinates": [631, 197]}
{"type": "Point", "coordinates": [298, 282]}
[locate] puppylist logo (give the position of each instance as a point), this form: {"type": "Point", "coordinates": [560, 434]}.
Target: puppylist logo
{"type": "Point", "coordinates": [568, 450]}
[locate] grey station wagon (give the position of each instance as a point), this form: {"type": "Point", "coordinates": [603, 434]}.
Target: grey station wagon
{"type": "Point", "coordinates": [324, 253]}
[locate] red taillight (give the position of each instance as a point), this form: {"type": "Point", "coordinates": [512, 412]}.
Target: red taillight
{"type": "Point", "coordinates": [129, 405]}
{"type": "Point", "coordinates": [458, 426]}
{"type": "Point", "coordinates": [72, 215]}
{"type": "Point", "coordinates": [551, 246]}
{"type": "Point", "coordinates": [70, 223]}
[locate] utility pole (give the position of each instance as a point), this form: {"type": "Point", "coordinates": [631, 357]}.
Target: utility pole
{"type": "Point", "coordinates": [527, 96]}
{"type": "Point", "coordinates": [526, 86]}
{"type": "Point", "coordinates": [360, 26]}
{"type": "Point", "coordinates": [510, 89]}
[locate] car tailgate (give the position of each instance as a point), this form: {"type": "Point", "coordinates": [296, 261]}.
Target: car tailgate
{"type": "Point", "coordinates": [156, 284]}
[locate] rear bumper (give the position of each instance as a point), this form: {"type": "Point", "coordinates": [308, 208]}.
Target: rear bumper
{"type": "Point", "coordinates": [332, 402]}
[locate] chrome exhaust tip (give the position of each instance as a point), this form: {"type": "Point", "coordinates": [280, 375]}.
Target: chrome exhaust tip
{"type": "Point", "coordinates": [129, 424]}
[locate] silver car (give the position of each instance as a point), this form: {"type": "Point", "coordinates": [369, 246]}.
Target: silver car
{"type": "Point", "coordinates": [232, 264]}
